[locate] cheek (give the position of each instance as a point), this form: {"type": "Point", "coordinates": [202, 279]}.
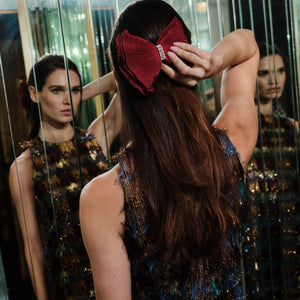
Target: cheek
{"type": "Point", "coordinates": [76, 102]}
{"type": "Point", "coordinates": [262, 85]}
{"type": "Point", "coordinates": [48, 103]}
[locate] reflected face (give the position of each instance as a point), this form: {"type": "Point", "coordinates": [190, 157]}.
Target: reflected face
{"type": "Point", "coordinates": [55, 99]}
{"type": "Point", "coordinates": [270, 77]}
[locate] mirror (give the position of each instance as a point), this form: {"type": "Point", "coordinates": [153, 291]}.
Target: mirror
{"type": "Point", "coordinates": [80, 30]}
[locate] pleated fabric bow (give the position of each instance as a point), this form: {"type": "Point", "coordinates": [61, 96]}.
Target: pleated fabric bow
{"type": "Point", "coordinates": [140, 60]}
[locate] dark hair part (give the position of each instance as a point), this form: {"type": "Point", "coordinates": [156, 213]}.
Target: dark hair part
{"type": "Point", "coordinates": [179, 161]}
{"type": "Point", "coordinates": [267, 50]}
{"type": "Point", "coordinates": [37, 78]}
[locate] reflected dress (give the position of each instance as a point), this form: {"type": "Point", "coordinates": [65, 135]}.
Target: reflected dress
{"type": "Point", "coordinates": [67, 269]}
{"type": "Point", "coordinates": [152, 278]}
{"type": "Point", "coordinates": [272, 236]}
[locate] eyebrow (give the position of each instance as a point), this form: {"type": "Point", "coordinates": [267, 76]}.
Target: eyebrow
{"type": "Point", "coordinates": [267, 69]}
{"type": "Point", "coordinates": [263, 70]}
{"type": "Point", "coordinates": [62, 86]}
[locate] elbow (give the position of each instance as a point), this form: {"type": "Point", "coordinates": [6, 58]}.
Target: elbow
{"type": "Point", "coordinates": [248, 36]}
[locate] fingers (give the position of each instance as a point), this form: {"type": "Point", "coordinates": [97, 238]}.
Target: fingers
{"type": "Point", "coordinates": [186, 80]}
{"type": "Point", "coordinates": [184, 69]}
{"type": "Point", "coordinates": [179, 64]}
{"type": "Point", "coordinates": [169, 71]}
{"type": "Point", "coordinates": [190, 48]}
{"type": "Point", "coordinates": [192, 54]}
{"type": "Point", "coordinates": [181, 53]}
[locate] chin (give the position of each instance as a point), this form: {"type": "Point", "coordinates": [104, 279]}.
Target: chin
{"type": "Point", "coordinates": [265, 100]}
{"type": "Point", "coordinates": [275, 96]}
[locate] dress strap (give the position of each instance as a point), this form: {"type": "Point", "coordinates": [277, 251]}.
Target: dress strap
{"type": "Point", "coordinates": [126, 175]}
{"type": "Point", "coordinates": [229, 148]}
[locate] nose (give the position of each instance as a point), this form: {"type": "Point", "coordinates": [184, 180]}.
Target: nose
{"type": "Point", "coordinates": [67, 99]}
{"type": "Point", "coordinates": [272, 78]}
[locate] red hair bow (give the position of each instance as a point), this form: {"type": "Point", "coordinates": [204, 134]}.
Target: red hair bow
{"type": "Point", "coordinates": [140, 60]}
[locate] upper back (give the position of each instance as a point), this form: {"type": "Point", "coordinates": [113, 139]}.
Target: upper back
{"type": "Point", "coordinates": [154, 277]}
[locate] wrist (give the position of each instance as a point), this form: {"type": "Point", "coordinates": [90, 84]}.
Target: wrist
{"type": "Point", "coordinates": [218, 64]}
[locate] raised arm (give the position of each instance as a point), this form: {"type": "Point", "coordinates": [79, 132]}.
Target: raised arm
{"type": "Point", "coordinates": [237, 54]}
{"type": "Point", "coordinates": [102, 85]}
{"type": "Point", "coordinates": [106, 126]}
{"type": "Point", "coordinates": [20, 184]}
{"type": "Point", "coordinates": [239, 114]}
{"type": "Point", "coordinates": [101, 219]}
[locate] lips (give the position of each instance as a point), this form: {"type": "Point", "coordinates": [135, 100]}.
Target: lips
{"type": "Point", "coordinates": [67, 112]}
{"type": "Point", "coordinates": [274, 90]}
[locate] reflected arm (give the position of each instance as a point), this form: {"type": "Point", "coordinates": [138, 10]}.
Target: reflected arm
{"type": "Point", "coordinates": [108, 124]}
{"type": "Point", "coordinates": [21, 188]}
{"type": "Point", "coordinates": [92, 89]}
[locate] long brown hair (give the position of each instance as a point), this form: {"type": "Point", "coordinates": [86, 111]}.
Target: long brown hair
{"type": "Point", "coordinates": [179, 161]}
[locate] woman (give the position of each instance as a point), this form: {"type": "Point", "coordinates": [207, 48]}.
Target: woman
{"type": "Point", "coordinates": [46, 179]}
{"type": "Point", "coordinates": [272, 242]}
{"type": "Point", "coordinates": [271, 78]}
{"type": "Point", "coordinates": [165, 223]}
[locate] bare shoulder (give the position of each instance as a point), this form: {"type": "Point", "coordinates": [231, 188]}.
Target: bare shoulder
{"type": "Point", "coordinates": [295, 124]}
{"type": "Point", "coordinates": [102, 187]}
{"type": "Point", "coordinates": [20, 180]}
{"type": "Point", "coordinates": [102, 198]}
{"type": "Point", "coordinates": [21, 168]}
{"type": "Point", "coordinates": [23, 157]}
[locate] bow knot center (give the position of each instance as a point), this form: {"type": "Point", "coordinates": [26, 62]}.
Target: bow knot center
{"type": "Point", "coordinates": [161, 52]}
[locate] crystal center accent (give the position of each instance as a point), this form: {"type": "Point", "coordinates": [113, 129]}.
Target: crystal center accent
{"type": "Point", "coordinates": [161, 52]}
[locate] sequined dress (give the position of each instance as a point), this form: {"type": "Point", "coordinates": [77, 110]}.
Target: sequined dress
{"type": "Point", "coordinates": [67, 270]}
{"type": "Point", "coordinates": [217, 277]}
{"type": "Point", "coordinates": [272, 238]}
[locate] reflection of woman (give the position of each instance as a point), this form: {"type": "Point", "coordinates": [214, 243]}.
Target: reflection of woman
{"type": "Point", "coordinates": [163, 225]}
{"type": "Point", "coordinates": [45, 180]}
{"type": "Point", "coordinates": [272, 243]}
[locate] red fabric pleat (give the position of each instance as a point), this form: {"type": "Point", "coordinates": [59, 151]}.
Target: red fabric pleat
{"type": "Point", "coordinates": [139, 60]}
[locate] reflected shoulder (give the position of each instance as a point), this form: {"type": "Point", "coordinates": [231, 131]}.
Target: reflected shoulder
{"type": "Point", "coordinates": [295, 124]}
{"type": "Point", "coordinates": [22, 163]}
{"type": "Point", "coordinates": [20, 180]}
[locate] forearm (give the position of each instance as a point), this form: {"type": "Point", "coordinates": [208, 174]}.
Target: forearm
{"type": "Point", "coordinates": [35, 263]}
{"type": "Point", "coordinates": [113, 117]}
{"type": "Point", "coordinates": [235, 48]}
{"type": "Point", "coordinates": [113, 122]}
{"type": "Point", "coordinates": [102, 85]}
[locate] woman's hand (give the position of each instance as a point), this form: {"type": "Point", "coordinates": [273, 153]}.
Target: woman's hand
{"type": "Point", "coordinates": [201, 64]}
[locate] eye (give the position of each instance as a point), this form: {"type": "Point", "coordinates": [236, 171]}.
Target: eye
{"type": "Point", "coordinates": [56, 90]}
{"type": "Point", "coordinates": [281, 70]}
{"type": "Point", "coordinates": [262, 73]}
{"type": "Point", "coordinates": [76, 90]}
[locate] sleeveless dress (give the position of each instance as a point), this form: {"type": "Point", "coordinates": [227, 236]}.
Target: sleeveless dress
{"type": "Point", "coordinates": [67, 269]}
{"type": "Point", "coordinates": [272, 236]}
{"type": "Point", "coordinates": [152, 278]}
